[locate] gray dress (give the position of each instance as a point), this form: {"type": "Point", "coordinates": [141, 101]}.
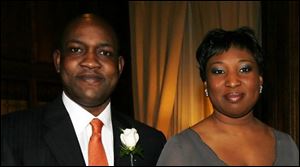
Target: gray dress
{"type": "Point", "coordinates": [188, 149]}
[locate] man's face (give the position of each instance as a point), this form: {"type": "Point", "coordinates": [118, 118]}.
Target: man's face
{"type": "Point", "coordinates": [89, 64]}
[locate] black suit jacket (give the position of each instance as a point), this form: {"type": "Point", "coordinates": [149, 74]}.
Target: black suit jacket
{"type": "Point", "coordinates": [45, 136]}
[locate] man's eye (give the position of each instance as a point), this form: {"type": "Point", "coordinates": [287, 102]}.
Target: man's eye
{"type": "Point", "coordinates": [105, 53]}
{"type": "Point", "coordinates": [76, 50]}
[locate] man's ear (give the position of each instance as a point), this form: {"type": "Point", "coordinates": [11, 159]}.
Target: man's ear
{"type": "Point", "coordinates": [56, 60]}
{"type": "Point", "coordinates": [261, 80]}
{"type": "Point", "coordinates": [121, 63]}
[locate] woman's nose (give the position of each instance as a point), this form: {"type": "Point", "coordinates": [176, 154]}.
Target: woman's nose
{"type": "Point", "coordinates": [232, 80]}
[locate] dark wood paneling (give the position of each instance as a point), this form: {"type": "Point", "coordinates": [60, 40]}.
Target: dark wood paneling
{"type": "Point", "coordinates": [280, 102]}
{"type": "Point", "coordinates": [29, 30]}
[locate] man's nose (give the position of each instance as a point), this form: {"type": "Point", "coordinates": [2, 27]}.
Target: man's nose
{"type": "Point", "coordinates": [91, 60]}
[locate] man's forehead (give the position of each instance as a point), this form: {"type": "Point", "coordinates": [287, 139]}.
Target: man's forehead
{"type": "Point", "coordinates": [91, 20]}
{"type": "Point", "coordinates": [88, 22]}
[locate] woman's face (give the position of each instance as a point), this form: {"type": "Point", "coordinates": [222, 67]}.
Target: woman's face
{"type": "Point", "coordinates": [233, 82]}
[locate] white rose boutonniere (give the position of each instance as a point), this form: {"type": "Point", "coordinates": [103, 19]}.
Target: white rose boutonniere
{"type": "Point", "coordinates": [129, 139]}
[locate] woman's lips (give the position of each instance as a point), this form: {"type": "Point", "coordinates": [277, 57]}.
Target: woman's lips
{"type": "Point", "coordinates": [233, 97]}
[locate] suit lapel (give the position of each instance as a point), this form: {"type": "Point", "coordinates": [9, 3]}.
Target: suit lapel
{"type": "Point", "coordinates": [62, 141]}
{"type": "Point", "coordinates": [61, 136]}
{"type": "Point", "coordinates": [119, 123]}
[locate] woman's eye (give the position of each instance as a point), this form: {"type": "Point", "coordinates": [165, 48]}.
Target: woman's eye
{"type": "Point", "coordinates": [245, 69]}
{"type": "Point", "coordinates": [217, 71]}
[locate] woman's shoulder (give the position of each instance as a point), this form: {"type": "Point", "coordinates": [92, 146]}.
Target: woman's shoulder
{"type": "Point", "coordinates": [287, 150]}
{"type": "Point", "coordinates": [187, 137]}
{"type": "Point", "coordinates": [184, 142]}
{"type": "Point", "coordinates": [282, 136]}
{"type": "Point", "coordinates": [284, 139]}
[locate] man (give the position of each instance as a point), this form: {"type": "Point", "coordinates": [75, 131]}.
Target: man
{"type": "Point", "coordinates": [59, 133]}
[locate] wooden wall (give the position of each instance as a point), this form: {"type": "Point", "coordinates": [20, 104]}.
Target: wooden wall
{"type": "Point", "coordinates": [280, 40]}
{"type": "Point", "coordinates": [28, 78]}
{"type": "Point", "coordinates": [28, 32]}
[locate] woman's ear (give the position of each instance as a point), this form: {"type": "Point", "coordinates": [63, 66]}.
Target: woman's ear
{"type": "Point", "coordinates": [56, 59]}
{"type": "Point", "coordinates": [205, 88]}
{"type": "Point", "coordinates": [205, 85]}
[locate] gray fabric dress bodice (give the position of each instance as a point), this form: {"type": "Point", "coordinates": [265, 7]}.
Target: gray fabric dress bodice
{"type": "Point", "coordinates": [188, 149]}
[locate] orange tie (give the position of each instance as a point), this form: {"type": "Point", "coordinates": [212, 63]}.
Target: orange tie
{"type": "Point", "coordinates": [96, 153]}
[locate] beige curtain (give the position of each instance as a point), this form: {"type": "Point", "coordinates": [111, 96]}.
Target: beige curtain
{"type": "Point", "coordinates": [167, 89]}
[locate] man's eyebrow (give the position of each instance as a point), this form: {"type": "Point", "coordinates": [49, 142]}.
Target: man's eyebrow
{"type": "Point", "coordinates": [105, 44]}
{"type": "Point", "coordinates": [73, 41]}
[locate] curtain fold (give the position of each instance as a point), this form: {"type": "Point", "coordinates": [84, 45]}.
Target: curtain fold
{"type": "Point", "coordinates": [167, 90]}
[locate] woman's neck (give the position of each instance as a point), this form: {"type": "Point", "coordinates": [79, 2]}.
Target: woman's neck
{"type": "Point", "coordinates": [234, 125]}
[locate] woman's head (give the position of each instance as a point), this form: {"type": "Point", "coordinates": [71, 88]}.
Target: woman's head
{"type": "Point", "coordinates": [231, 66]}
{"type": "Point", "coordinates": [218, 40]}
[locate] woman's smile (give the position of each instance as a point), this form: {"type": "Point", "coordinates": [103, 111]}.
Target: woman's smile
{"type": "Point", "coordinates": [233, 97]}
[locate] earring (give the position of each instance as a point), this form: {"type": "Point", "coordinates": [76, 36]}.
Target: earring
{"type": "Point", "coordinates": [206, 92]}
{"type": "Point", "coordinates": [260, 88]}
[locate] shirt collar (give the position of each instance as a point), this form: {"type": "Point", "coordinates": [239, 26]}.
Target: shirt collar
{"type": "Point", "coordinates": [81, 117]}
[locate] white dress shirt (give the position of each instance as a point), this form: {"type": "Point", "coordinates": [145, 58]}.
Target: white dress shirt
{"type": "Point", "coordinates": [81, 119]}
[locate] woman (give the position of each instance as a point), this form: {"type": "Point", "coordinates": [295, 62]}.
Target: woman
{"type": "Point", "coordinates": [231, 67]}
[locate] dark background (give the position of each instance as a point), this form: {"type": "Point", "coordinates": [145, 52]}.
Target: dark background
{"type": "Point", "coordinates": [29, 28]}
{"type": "Point", "coordinates": [28, 32]}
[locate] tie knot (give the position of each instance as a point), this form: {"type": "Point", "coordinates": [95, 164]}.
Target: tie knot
{"type": "Point", "coordinates": [96, 125]}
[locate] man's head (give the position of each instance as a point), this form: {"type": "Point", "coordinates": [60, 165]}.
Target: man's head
{"type": "Point", "coordinates": [88, 62]}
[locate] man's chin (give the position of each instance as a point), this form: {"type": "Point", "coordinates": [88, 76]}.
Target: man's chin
{"type": "Point", "coordinates": [93, 101]}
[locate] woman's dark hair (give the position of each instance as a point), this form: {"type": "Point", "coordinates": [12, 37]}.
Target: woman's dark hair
{"type": "Point", "coordinates": [218, 41]}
